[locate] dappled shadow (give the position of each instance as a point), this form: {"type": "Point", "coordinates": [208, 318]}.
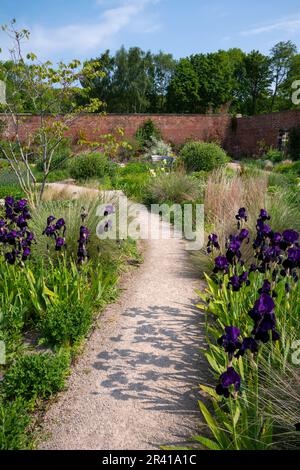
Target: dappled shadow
{"type": "Point", "coordinates": [163, 367]}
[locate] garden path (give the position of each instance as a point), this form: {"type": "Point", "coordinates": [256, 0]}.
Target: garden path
{"type": "Point", "coordinates": [136, 384]}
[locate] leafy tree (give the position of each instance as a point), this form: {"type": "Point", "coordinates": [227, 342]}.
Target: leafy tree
{"type": "Point", "coordinates": [45, 91]}
{"type": "Point", "coordinates": [163, 66]}
{"type": "Point", "coordinates": [183, 90]}
{"type": "Point", "coordinates": [282, 55]}
{"type": "Point", "coordinates": [254, 79]}
{"type": "Point", "coordinates": [215, 79]}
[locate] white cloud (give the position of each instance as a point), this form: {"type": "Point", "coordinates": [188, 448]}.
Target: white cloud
{"type": "Point", "coordinates": [82, 38]}
{"type": "Point", "coordinates": [289, 25]}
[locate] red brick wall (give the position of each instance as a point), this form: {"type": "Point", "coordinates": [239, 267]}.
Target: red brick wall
{"type": "Point", "coordinates": [242, 140]}
{"type": "Point", "coordinates": [175, 128]}
{"type": "Point", "coordinates": [265, 127]}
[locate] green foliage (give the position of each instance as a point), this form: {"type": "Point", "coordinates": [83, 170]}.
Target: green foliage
{"type": "Point", "coordinates": [67, 320]}
{"type": "Point", "coordinates": [88, 165]}
{"type": "Point", "coordinates": [201, 156]}
{"type": "Point", "coordinates": [133, 185]}
{"type": "Point", "coordinates": [11, 190]}
{"type": "Point", "coordinates": [146, 132]}
{"type": "Point", "coordinates": [134, 169]}
{"type": "Point", "coordinates": [172, 187]}
{"type": "Point", "coordinates": [133, 81]}
{"type": "Point", "coordinates": [275, 156]}
{"type": "Point", "coordinates": [14, 421]}
{"type": "Point", "coordinates": [36, 376]}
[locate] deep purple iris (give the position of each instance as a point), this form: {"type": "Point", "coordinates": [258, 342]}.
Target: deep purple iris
{"type": "Point", "coordinates": [212, 242]}
{"type": "Point", "coordinates": [50, 219]}
{"type": "Point", "coordinates": [59, 243]}
{"type": "Point", "coordinates": [263, 215]}
{"type": "Point", "coordinates": [242, 214]}
{"type": "Point", "coordinates": [227, 379]}
{"type": "Point", "coordinates": [20, 205]}
{"type": "Point", "coordinates": [266, 288]}
{"type": "Point", "coordinates": [59, 224]}
{"type": "Point", "coordinates": [290, 236]}
{"type": "Point", "coordinates": [230, 341]}
{"type": "Point", "coordinates": [248, 344]}
{"type": "Point", "coordinates": [221, 264]}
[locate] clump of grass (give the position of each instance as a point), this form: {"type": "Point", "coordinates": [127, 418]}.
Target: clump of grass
{"type": "Point", "coordinates": [173, 187]}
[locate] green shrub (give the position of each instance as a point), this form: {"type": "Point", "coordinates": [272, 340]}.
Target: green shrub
{"type": "Point", "coordinates": [288, 168]}
{"type": "Point", "coordinates": [36, 376]}
{"type": "Point", "coordinates": [275, 156]}
{"type": "Point", "coordinates": [11, 190]}
{"type": "Point", "coordinates": [89, 165]}
{"type": "Point", "coordinates": [146, 132]}
{"type": "Point", "coordinates": [133, 185]}
{"type": "Point", "coordinates": [202, 156]}
{"type": "Point", "coordinates": [14, 420]}
{"type": "Point", "coordinates": [172, 187]}
{"type": "Point", "coordinates": [64, 322]}
{"type": "Point", "coordinates": [133, 168]}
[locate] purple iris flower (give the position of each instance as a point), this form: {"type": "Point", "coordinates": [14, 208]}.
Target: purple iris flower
{"type": "Point", "coordinates": [293, 258]}
{"type": "Point", "coordinates": [212, 242]}
{"type": "Point", "coordinates": [59, 224]}
{"type": "Point", "coordinates": [244, 234]}
{"type": "Point", "coordinates": [9, 201]}
{"type": "Point", "coordinates": [20, 205]}
{"type": "Point", "coordinates": [242, 214]}
{"type": "Point", "coordinates": [264, 304]}
{"type": "Point", "coordinates": [290, 236]}
{"type": "Point", "coordinates": [228, 378]}
{"type": "Point", "coordinates": [50, 219]}
{"type": "Point", "coordinates": [59, 243]}
{"type": "Point", "coordinates": [221, 264]}
{"type": "Point", "coordinates": [26, 253]}
{"type": "Point", "coordinates": [264, 215]}
{"type": "Point", "coordinates": [21, 222]}
{"type": "Point", "coordinates": [248, 344]}
{"type": "Point", "coordinates": [230, 341]}
{"type": "Point", "coordinates": [266, 288]}
{"type": "Point", "coordinates": [276, 239]}
{"type": "Point", "coordinates": [84, 233]}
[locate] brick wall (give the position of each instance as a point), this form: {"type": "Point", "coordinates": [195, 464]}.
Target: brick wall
{"type": "Point", "coordinates": [252, 130]}
{"type": "Point", "coordinates": [242, 139]}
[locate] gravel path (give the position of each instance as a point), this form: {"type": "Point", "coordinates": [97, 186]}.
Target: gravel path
{"type": "Point", "coordinates": [136, 385]}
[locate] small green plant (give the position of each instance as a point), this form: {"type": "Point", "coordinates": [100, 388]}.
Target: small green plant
{"type": "Point", "coordinates": [66, 322]}
{"type": "Point", "coordinates": [146, 132]}
{"type": "Point", "coordinates": [36, 376]}
{"type": "Point", "coordinates": [275, 156]}
{"type": "Point", "coordinates": [202, 156]}
{"type": "Point", "coordinates": [172, 187]}
{"type": "Point", "coordinates": [88, 165]}
{"type": "Point", "coordinates": [14, 421]}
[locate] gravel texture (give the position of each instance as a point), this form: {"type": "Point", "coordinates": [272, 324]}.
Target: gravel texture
{"type": "Point", "coordinates": [136, 384]}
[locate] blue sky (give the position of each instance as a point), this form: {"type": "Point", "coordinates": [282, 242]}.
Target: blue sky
{"type": "Point", "coordinates": [66, 29]}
